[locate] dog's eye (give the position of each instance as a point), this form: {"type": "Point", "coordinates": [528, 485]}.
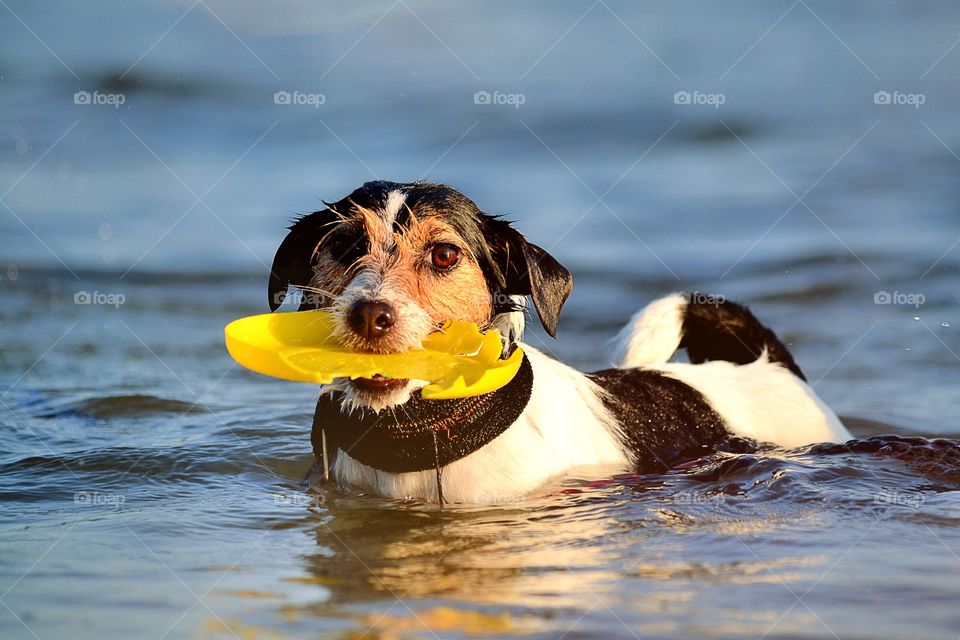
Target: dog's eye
{"type": "Point", "coordinates": [346, 249]}
{"type": "Point", "coordinates": [444, 256]}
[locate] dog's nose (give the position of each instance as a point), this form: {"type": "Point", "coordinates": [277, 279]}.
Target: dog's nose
{"type": "Point", "coordinates": [371, 319]}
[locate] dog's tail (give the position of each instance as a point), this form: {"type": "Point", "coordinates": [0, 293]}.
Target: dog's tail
{"type": "Point", "coordinates": [708, 327]}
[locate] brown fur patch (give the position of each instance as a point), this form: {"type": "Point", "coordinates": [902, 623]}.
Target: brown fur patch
{"type": "Point", "coordinates": [401, 260]}
{"type": "Point", "coordinates": [458, 294]}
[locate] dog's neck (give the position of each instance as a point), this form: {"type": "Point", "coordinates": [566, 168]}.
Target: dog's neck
{"type": "Point", "coordinates": [420, 434]}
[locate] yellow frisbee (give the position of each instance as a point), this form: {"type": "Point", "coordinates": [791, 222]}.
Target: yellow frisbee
{"type": "Point", "coordinates": [458, 360]}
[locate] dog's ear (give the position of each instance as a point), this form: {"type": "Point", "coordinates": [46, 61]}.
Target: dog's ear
{"type": "Point", "coordinates": [293, 263]}
{"type": "Point", "coordinates": [528, 270]}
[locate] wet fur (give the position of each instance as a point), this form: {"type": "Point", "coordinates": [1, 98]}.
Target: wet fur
{"type": "Point", "coordinates": [374, 245]}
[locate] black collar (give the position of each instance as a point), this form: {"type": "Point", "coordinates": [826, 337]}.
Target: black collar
{"type": "Point", "coordinates": [402, 439]}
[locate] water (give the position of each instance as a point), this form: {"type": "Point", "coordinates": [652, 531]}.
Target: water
{"type": "Point", "coordinates": [150, 488]}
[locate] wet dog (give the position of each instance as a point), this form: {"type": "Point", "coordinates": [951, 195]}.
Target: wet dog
{"type": "Point", "coordinates": [394, 261]}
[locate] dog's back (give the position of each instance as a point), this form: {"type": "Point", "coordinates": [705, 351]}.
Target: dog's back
{"type": "Point", "coordinates": [739, 366]}
{"type": "Point", "coordinates": [709, 327]}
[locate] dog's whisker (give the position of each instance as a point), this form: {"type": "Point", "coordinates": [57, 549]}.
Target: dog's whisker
{"type": "Point", "coordinates": [313, 289]}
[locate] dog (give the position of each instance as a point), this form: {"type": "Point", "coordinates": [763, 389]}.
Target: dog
{"type": "Point", "coordinates": [393, 261]}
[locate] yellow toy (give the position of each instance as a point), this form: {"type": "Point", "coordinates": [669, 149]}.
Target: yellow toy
{"type": "Point", "coordinates": [458, 360]}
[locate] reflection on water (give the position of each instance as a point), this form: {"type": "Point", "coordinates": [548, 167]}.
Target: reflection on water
{"type": "Point", "coordinates": [661, 553]}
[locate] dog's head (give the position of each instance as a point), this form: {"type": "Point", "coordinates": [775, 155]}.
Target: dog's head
{"type": "Point", "coordinates": [393, 261]}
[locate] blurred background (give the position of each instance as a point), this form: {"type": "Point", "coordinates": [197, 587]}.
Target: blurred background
{"type": "Point", "coordinates": [799, 152]}
{"type": "Point", "coordinates": [798, 156]}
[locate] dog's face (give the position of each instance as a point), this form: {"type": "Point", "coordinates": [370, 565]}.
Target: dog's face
{"type": "Point", "coordinates": [394, 261]}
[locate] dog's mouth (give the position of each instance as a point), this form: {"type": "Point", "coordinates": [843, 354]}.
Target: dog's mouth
{"type": "Point", "coordinates": [378, 384]}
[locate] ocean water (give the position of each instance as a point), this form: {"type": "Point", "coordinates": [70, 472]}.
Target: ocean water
{"type": "Point", "coordinates": [800, 157]}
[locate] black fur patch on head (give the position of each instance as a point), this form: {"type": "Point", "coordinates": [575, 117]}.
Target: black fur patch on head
{"type": "Point", "coordinates": [371, 195]}
{"type": "Point", "coordinates": [294, 260]}
{"type": "Point", "coordinates": [528, 270]}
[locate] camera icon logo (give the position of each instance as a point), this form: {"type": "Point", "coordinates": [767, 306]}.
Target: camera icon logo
{"type": "Point", "coordinates": [682, 97]}
{"type": "Point", "coordinates": [882, 97]}
{"type": "Point", "coordinates": [482, 97]}
{"type": "Point", "coordinates": [82, 297]}
{"type": "Point", "coordinates": [882, 297]}
{"type": "Point", "coordinates": [81, 97]}
{"type": "Point", "coordinates": [281, 97]}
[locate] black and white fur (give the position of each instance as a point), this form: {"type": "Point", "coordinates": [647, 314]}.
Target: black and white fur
{"type": "Point", "coordinates": [741, 381]}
